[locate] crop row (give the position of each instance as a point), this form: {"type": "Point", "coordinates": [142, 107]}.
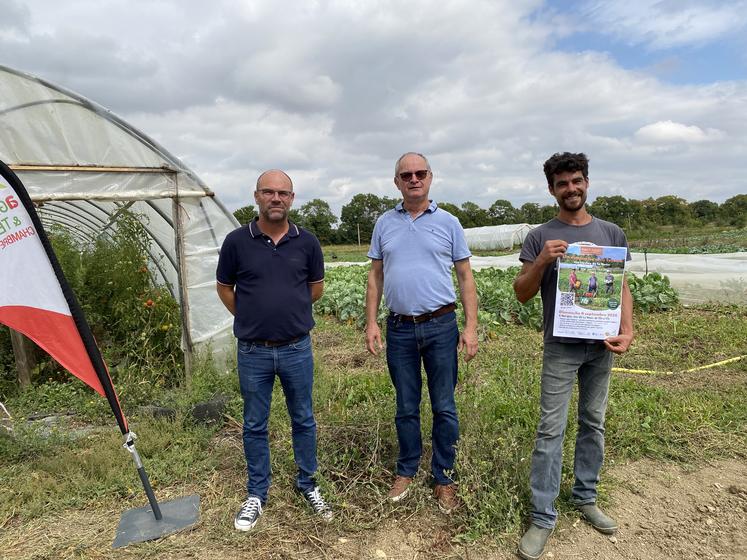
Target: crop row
{"type": "Point", "coordinates": [345, 297]}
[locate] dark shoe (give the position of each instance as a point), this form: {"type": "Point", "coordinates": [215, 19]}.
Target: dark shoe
{"type": "Point", "coordinates": [446, 494]}
{"type": "Point", "coordinates": [598, 519]}
{"type": "Point", "coordinates": [249, 514]}
{"type": "Point", "coordinates": [532, 544]}
{"type": "Point", "coordinates": [400, 488]}
{"type": "Point", "coordinates": [318, 504]}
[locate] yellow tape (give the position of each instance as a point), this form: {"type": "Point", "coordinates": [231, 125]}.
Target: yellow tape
{"type": "Point", "coordinates": [655, 372]}
{"type": "Point", "coordinates": [721, 363]}
{"type": "Point", "coordinates": [642, 371]}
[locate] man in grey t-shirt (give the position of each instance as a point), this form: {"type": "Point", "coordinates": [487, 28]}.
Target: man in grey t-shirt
{"type": "Point", "coordinates": [565, 359]}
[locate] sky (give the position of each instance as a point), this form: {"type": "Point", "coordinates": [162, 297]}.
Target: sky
{"type": "Point", "coordinates": [654, 92]}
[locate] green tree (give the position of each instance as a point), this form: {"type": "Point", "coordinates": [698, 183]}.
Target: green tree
{"type": "Point", "coordinates": [704, 211]}
{"type": "Point", "coordinates": [530, 213]}
{"type": "Point", "coordinates": [474, 215]}
{"type": "Point", "coordinates": [548, 212]}
{"type": "Point", "coordinates": [734, 211]}
{"type": "Point", "coordinates": [673, 210]}
{"type": "Point", "coordinates": [362, 212]}
{"type": "Point", "coordinates": [647, 213]}
{"type": "Point", "coordinates": [455, 211]}
{"type": "Point", "coordinates": [318, 218]}
{"type": "Point", "coordinates": [503, 212]}
{"type": "Point", "coordinates": [616, 209]}
{"type": "Point", "coordinates": [245, 214]}
{"type": "Point", "coordinates": [295, 216]}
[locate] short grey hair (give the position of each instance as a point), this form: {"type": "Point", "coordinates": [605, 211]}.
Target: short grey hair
{"type": "Point", "coordinates": [274, 170]}
{"type": "Point", "coordinates": [403, 156]}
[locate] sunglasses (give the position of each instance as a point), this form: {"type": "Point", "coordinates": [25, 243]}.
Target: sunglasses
{"type": "Point", "coordinates": [407, 175]}
{"type": "Point", "coordinates": [269, 193]}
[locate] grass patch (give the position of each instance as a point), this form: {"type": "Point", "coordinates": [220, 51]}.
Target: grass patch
{"type": "Point", "coordinates": [692, 419]}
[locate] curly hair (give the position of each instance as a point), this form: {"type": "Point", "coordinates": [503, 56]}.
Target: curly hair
{"type": "Point", "coordinates": [566, 162]}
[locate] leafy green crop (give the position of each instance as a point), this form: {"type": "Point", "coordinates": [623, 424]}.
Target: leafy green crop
{"type": "Point", "coordinates": [345, 297]}
{"type": "Point", "coordinates": [652, 292]}
{"type": "Point", "coordinates": [496, 297]}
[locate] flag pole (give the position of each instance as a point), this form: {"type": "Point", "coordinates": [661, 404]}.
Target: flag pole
{"type": "Point", "coordinates": [133, 526]}
{"type": "Point", "coordinates": [129, 445]}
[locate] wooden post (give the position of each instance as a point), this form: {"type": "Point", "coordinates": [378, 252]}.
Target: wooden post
{"type": "Point", "coordinates": [24, 357]}
{"type": "Point", "coordinates": [359, 235]}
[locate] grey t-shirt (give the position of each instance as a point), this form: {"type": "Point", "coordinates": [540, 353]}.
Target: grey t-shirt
{"type": "Point", "coordinates": [596, 231]}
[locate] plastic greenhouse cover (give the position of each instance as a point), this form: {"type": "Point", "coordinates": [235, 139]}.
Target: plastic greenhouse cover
{"type": "Point", "coordinates": [66, 130]}
{"type": "Point", "coordinates": [67, 185]}
{"type": "Point", "coordinates": [496, 237]}
{"type": "Point", "coordinates": [84, 165]}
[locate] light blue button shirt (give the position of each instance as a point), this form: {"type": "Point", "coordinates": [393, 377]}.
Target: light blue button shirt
{"type": "Point", "coordinates": [418, 256]}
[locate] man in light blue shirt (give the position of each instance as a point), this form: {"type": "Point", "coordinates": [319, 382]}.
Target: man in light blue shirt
{"type": "Point", "coordinates": [413, 248]}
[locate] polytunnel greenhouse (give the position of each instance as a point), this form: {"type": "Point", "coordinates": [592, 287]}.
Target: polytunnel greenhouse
{"type": "Point", "coordinates": [504, 236]}
{"type": "Point", "coordinates": [83, 166]}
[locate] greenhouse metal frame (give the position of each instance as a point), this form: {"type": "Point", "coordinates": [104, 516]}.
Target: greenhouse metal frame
{"type": "Point", "coordinates": [82, 166]}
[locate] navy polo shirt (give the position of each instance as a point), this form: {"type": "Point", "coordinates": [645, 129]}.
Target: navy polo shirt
{"type": "Point", "coordinates": [273, 300]}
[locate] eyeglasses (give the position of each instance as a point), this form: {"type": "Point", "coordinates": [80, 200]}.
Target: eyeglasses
{"type": "Point", "coordinates": [269, 193]}
{"type": "Point", "coordinates": [407, 175]}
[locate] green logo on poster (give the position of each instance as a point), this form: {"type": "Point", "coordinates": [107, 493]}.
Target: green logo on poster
{"type": "Point", "coordinates": [613, 303]}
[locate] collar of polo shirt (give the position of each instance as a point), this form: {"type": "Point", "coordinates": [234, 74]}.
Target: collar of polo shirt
{"type": "Point", "coordinates": [255, 231]}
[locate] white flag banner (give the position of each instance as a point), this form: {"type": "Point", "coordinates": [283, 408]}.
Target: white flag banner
{"type": "Point", "coordinates": [35, 298]}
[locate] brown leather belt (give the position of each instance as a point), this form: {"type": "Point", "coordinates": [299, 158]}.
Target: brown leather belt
{"type": "Point", "coordinates": [425, 316]}
{"type": "Point", "coordinates": [274, 343]}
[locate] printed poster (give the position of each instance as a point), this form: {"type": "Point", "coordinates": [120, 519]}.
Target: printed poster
{"type": "Point", "coordinates": [588, 296]}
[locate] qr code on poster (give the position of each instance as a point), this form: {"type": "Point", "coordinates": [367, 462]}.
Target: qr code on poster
{"type": "Point", "coordinates": [566, 299]}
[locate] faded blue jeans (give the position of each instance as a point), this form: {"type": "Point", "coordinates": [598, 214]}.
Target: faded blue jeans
{"type": "Point", "coordinates": [435, 343]}
{"type": "Point", "coordinates": [294, 365]}
{"type": "Point", "coordinates": [562, 364]}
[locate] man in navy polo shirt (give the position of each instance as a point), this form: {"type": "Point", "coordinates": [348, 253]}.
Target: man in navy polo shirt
{"type": "Point", "coordinates": [269, 273]}
{"type": "Point", "coordinates": [413, 249]}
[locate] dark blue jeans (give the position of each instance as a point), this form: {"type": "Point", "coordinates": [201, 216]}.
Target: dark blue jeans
{"type": "Point", "coordinates": [435, 343]}
{"type": "Point", "coordinates": [562, 364]}
{"type": "Point", "coordinates": [258, 366]}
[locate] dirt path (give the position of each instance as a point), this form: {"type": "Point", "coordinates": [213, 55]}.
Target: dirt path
{"type": "Point", "coordinates": [664, 513]}
{"type": "Point", "coordinates": [667, 513]}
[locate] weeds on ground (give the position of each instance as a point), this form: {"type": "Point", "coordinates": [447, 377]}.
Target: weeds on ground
{"type": "Point", "coordinates": [497, 398]}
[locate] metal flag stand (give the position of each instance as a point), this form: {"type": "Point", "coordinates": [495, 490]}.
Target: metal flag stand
{"type": "Point", "coordinates": [154, 521]}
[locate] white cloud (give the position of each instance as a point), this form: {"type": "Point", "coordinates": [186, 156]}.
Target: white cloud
{"type": "Point", "coordinates": [663, 24]}
{"type": "Point", "coordinates": [335, 90]}
{"type": "Point", "coordinates": [668, 132]}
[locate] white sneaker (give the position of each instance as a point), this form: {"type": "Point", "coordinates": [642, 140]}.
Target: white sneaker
{"type": "Point", "coordinates": [249, 514]}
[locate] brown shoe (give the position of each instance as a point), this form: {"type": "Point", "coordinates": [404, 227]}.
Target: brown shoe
{"type": "Point", "coordinates": [400, 488]}
{"type": "Point", "coordinates": [446, 494]}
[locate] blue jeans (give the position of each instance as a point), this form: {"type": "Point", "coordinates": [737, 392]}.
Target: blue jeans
{"type": "Point", "coordinates": [562, 363]}
{"type": "Point", "coordinates": [294, 365]}
{"type": "Point", "coordinates": [435, 342]}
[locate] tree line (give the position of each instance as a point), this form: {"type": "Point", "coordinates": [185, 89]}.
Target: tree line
{"type": "Point", "coordinates": [358, 216]}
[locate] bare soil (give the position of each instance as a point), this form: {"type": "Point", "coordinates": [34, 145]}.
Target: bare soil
{"type": "Point", "coordinates": [665, 511]}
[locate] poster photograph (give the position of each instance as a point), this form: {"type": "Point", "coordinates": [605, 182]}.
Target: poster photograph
{"type": "Point", "coordinates": [589, 291]}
